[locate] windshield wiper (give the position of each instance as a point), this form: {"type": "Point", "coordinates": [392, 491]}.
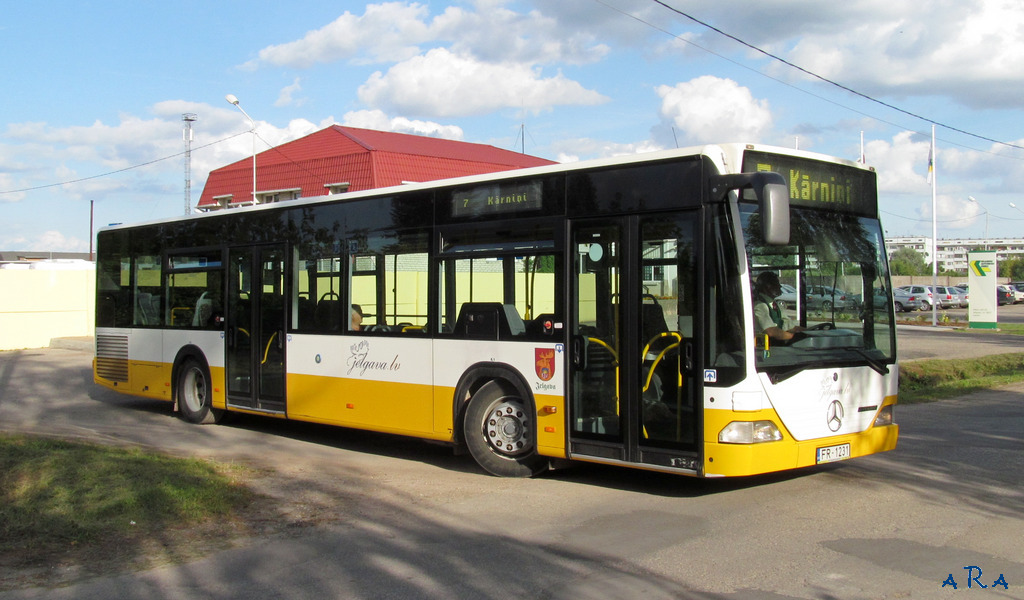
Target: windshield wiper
{"type": "Point", "coordinates": [874, 363]}
{"type": "Point", "coordinates": [781, 374]}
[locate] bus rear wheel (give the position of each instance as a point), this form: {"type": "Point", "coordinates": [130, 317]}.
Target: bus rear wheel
{"type": "Point", "coordinates": [194, 394]}
{"type": "Point", "coordinates": [500, 432]}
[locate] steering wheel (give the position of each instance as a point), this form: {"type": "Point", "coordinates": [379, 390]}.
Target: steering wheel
{"type": "Point", "coordinates": [823, 327]}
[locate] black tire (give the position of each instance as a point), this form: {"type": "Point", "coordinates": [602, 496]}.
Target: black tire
{"type": "Point", "coordinates": [899, 307]}
{"type": "Point", "coordinates": [500, 431]}
{"type": "Point", "coordinates": [193, 393]}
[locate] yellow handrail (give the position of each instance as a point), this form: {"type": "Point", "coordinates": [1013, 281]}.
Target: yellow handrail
{"type": "Point", "coordinates": [650, 373]}
{"type": "Point", "coordinates": [267, 351]}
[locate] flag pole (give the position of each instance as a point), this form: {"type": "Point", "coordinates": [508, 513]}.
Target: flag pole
{"type": "Point", "coordinates": [932, 163]}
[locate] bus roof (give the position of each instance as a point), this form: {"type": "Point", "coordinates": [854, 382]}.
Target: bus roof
{"type": "Point", "coordinates": [727, 157]}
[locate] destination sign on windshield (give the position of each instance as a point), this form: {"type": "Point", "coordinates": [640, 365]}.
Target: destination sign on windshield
{"type": "Point", "coordinates": [820, 184]}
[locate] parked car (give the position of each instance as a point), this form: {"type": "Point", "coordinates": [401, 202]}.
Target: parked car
{"type": "Point", "coordinates": [787, 299]}
{"type": "Point", "coordinates": [877, 299]}
{"type": "Point", "coordinates": [923, 293]}
{"type": "Point", "coordinates": [964, 296]}
{"type": "Point", "coordinates": [1018, 290]}
{"type": "Point", "coordinates": [949, 296]}
{"type": "Point", "coordinates": [1004, 295]}
{"type": "Point", "coordinates": [824, 298]}
{"type": "Point", "coordinates": [904, 301]}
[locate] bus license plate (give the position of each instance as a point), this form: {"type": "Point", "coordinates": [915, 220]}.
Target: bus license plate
{"type": "Point", "coordinates": [829, 454]}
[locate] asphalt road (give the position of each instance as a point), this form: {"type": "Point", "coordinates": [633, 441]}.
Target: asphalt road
{"type": "Point", "coordinates": [914, 342]}
{"type": "Point", "coordinates": [399, 518]}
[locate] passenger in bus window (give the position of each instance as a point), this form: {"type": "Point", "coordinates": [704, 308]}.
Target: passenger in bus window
{"type": "Point", "coordinates": [768, 317]}
{"type": "Point", "coordinates": [357, 318]}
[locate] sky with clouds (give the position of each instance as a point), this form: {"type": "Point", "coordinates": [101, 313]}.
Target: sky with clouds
{"type": "Point", "coordinates": [95, 93]}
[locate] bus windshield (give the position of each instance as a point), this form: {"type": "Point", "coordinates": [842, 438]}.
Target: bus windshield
{"type": "Point", "coordinates": [832, 292]}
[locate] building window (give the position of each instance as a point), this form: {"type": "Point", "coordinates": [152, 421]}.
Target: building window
{"type": "Point", "coordinates": [337, 188]}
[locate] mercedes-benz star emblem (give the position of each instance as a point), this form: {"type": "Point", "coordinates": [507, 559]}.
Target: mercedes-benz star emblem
{"type": "Point", "coordinates": [834, 416]}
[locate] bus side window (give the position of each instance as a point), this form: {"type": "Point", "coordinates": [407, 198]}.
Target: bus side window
{"type": "Point", "coordinates": [388, 281]}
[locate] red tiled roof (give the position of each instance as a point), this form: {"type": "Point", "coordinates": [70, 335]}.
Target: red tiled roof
{"type": "Point", "coordinates": [362, 157]}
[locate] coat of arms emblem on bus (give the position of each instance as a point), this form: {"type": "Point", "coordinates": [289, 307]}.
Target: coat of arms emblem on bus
{"type": "Point", "coordinates": [545, 363]}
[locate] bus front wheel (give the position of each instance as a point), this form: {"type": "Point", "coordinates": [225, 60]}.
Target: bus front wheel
{"type": "Point", "coordinates": [500, 433]}
{"type": "Point", "coordinates": [194, 393]}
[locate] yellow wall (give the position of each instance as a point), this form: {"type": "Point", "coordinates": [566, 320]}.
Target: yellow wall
{"type": "Point", "coordinates": [37, 305]}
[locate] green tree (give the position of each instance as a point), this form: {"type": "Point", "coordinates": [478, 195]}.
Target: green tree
{"type": "Point", "coordinates": [1012, 268]}
{"type": "Point", "coordinates": [907, 261]}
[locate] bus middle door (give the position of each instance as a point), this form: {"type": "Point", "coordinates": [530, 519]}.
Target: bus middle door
{"type": "Point", "coordinates": [255, 328]}
{"type": "Point", "coordinates": [633, 385]}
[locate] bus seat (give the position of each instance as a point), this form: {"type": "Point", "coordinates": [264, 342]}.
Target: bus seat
{"type": "Point", "coordinates": [146, 315]}
{"type": "Point", "coordinates": [653, 319]}
{"type": "Point", "coordinates": [653, 324]}
{"type": "Point", "coordinates": [484, 321]}
{"type": "Point", "coordinates": [327, 316]}
{"type": "Point", "coordinates": [204, 310]}
{"type": "Point", "coordinates": [515, 322]}
{"type": "Point", "coordinates": [306, 313]}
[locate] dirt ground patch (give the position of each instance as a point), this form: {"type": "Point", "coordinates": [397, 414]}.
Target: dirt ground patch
{"type": "Point", "coordinates": [280, 509]}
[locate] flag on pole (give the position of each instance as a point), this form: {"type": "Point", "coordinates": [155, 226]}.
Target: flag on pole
{"type": "Point", "coordinates": [931, 161]}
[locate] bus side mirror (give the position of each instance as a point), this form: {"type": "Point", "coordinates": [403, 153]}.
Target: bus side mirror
{"type": "Point", "coordinates": [773, 204]}
{"type": "Point", "coordinates": [772, 193]}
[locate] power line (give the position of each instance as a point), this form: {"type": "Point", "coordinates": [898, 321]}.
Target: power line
{"type": "Point", "coordinates": [145, 164]}
{"type": "Point", "coordinates": [835, 83]}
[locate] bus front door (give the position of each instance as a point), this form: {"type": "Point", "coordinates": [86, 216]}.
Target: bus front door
{"type": "Point", "coordinates": [633, 389]}
{"type": "Point", "coordinates": [254, 335]}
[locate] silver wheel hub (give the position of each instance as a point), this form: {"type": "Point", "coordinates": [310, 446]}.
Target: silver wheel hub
{"type": "Point", "coordinates": [194, 391]}
{"type": "Point", "coordinates": [508, 428]}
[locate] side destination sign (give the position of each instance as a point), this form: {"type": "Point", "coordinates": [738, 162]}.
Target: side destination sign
{"type": "Point", "coordinates": [498, 199]}
{"type": "Point", "coordinates": [820, 184]}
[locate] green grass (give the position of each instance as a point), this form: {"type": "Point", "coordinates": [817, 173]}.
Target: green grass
{"type": "Point", "coordinates": [929, 380]}
{"type": "Point", "coordinates": [1011, 328]}
{"type": "Point", "coordinates": [59, 498]}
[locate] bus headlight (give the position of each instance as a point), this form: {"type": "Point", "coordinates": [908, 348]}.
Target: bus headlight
{"type": "Point", "coordinates": [749, 432]}
{"type": "Point", "coordinates": [884, 416]}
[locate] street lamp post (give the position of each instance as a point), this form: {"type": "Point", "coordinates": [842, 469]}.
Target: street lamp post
{"type": "Point", "coordinates": [1014, 206]}
{"type": "Point", "coordinates": [974, 200]}
{"type": "Point", "coordinates": [233, 100]}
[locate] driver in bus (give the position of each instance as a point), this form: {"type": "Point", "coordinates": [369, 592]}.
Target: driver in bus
{"type": "Point", "coordinates": [768, 317]}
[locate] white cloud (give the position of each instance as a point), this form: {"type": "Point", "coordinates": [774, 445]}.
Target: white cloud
{"type": "Point", "coordinates": [397, 31]}
{"type": "Point", "coordinates": [285, 98]}
{"type": "Point", "coordinates": [953, 212]}
{"type": "Point", "coordinates": [444, 84]}
{"type": "Point", "coordinates": [135, 154]}
{"type": "Point", "coordinates": [379, 120]}
{"type": "Point", "coordinates": [967, 50]}
{"type": "Point", "coordinates": [572, 150]}
{"type": "Point", "coordinates": [495, 34]}
{"type": "Point", "coordinates": [902, 163]}
{"type": "Point", "coordinates": [46, 241]}
{"type": "Point", "coordinates": [710, 109]}
{"type": "Point", "coordinates": [56, 241]}
{"type": "Point", "coordinates": [385, 32]}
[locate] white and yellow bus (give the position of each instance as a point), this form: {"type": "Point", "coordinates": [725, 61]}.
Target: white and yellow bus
{"type": "Point", "coordinates": [598, 311]}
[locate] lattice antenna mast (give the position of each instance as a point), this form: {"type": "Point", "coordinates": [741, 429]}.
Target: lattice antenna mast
{"type": "Point", "coordinates": [186, 135]}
